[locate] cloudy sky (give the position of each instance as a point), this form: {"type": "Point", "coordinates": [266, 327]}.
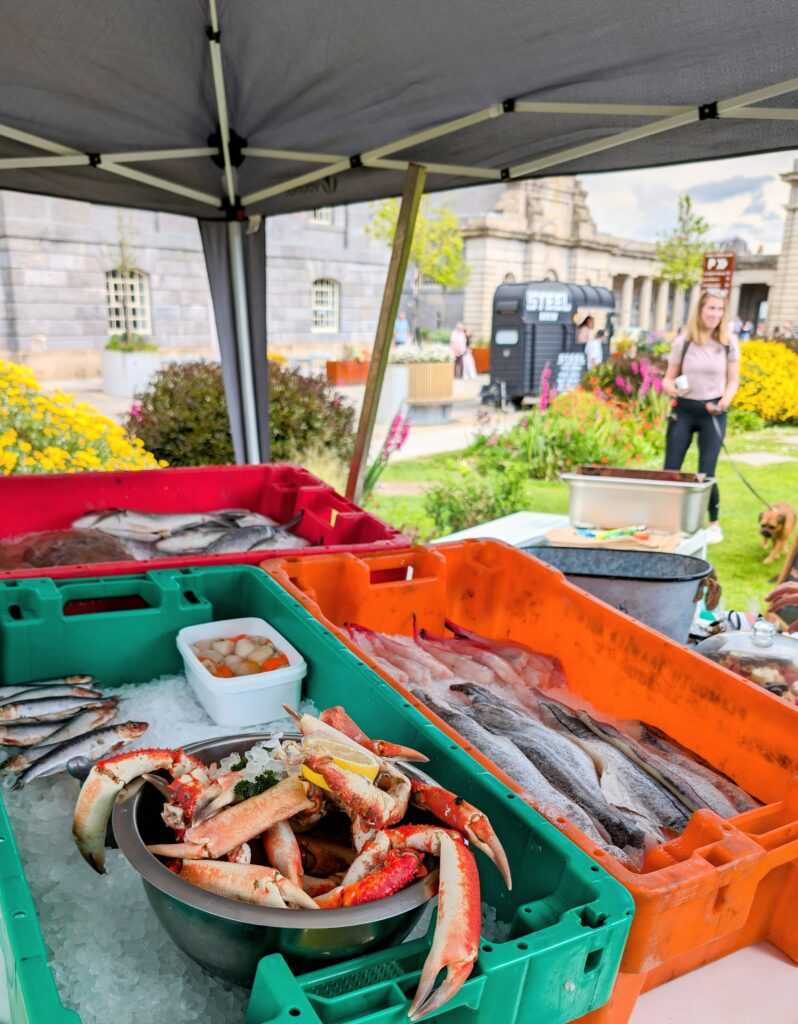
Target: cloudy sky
{"type": "Point", "coordinates": [743, 196]}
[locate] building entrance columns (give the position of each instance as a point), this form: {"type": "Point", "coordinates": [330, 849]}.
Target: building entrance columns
{"type": "Point", "coordinates": [644, 315]}
{"type": "Point", "coordinates": [661, 308]}
{"type": "Point", "coordinates": [627, 297]}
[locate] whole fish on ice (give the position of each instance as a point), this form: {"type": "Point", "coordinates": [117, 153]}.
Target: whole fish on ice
{"type": "Point", "coordinates": [93, 745]}
{"type": "Point", "coordinates": [150, 527]}
{"type": "Point", "coordinates": [48, 709]}
{"type": "Point", "coordinates": [566, 765]}
{"type": "Point", "coordinates": [49, 734]}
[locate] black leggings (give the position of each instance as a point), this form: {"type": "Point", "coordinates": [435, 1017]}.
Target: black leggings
{"type": "Point", "coordinates": [690, 417]}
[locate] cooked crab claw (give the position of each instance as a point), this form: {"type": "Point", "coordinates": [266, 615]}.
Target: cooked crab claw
{"type": "Point", "coordinates": [335, 724]}
{"type": "Point", "coordinates": [456, 812]}
{"type": "Point", "coordinates": [282, 851]}
{"type": "Point", "coordinates": [104, 783]}
{"type": "Point", "coordinates": [238, 824]}
{"type": "Point", "coordinates": [340, 720]}
{"type": "Point", "coordinates": [456, 942]}
{"type": "Point", "coordinates": [252, 883]}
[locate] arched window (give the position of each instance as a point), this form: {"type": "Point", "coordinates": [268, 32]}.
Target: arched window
{"type": "Point", "coordinates": [128, 301]}
{"type": "Point", "coordinates": [325, 306]}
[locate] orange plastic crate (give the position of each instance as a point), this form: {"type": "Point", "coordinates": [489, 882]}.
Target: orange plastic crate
{"type": "Point", "coordinates": [720, 886]}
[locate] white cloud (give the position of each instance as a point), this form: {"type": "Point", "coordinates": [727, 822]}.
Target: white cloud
{"type": "Point", "coordinates": [741, 196]}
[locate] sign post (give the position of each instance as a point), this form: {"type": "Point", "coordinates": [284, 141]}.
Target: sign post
{"type": "Point", "coordinates": [718, 271]}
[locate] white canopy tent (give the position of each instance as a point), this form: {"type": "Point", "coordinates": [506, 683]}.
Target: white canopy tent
{"type": "Point", "coordinates": [231, 110]}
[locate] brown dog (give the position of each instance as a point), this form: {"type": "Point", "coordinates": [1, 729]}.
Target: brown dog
{"type": "Point", "coordinates": [776, 524]}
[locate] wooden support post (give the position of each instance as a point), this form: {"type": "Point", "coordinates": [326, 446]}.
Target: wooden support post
{"type": "Point", "coordinates": [397, 268]}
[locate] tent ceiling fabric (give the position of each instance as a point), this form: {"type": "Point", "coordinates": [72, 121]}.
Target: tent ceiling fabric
{"type": "Point", "coordinates": [342, 79]}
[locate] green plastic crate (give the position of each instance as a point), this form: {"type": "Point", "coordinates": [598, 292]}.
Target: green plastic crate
{"type": "Point", "coordinates": [569, 919]}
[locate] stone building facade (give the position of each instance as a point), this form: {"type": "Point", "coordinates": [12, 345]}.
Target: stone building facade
{"type": "Point", "coordinates": [543, 229]}
{"type": "Point", "coordinates": [325, 274]}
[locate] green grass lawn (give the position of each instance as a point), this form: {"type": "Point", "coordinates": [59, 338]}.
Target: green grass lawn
{"type": "Point", "coordinates": [738, 560]}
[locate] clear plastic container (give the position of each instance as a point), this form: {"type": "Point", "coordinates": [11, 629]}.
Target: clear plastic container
{"type": "Point", "coordinates": [243, 700]}
{"type": "Point", "coordinates": [763, 655]}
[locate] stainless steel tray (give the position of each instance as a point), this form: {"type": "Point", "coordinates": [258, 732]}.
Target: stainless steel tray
{"type": "Point", "coordinates": [607, 502]}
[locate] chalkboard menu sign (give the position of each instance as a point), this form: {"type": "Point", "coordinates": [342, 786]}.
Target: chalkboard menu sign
{"type": "Point", "coordinates": [570, 367]}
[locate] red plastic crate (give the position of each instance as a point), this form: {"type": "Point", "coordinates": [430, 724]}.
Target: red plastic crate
{"type": "Point", "coordinates": [54, 501]}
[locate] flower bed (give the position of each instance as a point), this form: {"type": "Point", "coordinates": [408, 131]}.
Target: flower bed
{"type": "Point", "coordinates": [51, 433]}
{"type": "Point", "coordinates": [768, 381]}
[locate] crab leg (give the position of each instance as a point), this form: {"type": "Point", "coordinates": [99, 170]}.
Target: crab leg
{"type": "Point", "coordinates": [282, 851]}
{"type": "Point", "coordinates": [340, 720]}
{"type": "Point", "coordinates": [399, 870]}
{"type": "Point", "coordinates": [355, 792]}
{"type": "Point", "coordinates": [238, 824]}
{"type": "Point", "coordinates": [455, 812]}
{"type": "Point", "coordinates": [456, 942]}
{"type": "Point", "coordinates": [102, 786]}
{"type": "Point", "coordinates": [251, 883]}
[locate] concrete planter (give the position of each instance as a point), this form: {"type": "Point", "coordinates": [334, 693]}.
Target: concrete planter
{"type": "Point", "coordinates": [394, 392]}
{"type": "Point", "coordinates": [430, 382]}
{"type": "Point", "coordinates": [127, 373]}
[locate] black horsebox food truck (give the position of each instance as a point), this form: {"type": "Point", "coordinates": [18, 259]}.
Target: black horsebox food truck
{"type": "Point", "coordinates": [534, 326]}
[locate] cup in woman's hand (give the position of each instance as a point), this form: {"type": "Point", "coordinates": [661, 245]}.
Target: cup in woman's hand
{"type": "Point", "coordinates": [681, 383]}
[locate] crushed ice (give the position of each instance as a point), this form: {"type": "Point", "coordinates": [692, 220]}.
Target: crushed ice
{"type": "Point", "coordinates": [111, 959]}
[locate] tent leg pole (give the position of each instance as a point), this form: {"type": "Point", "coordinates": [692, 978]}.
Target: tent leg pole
{"type": "Point", "coordinates": [240, 308]}
{"type": "Point", "coordinates": [397, 268]}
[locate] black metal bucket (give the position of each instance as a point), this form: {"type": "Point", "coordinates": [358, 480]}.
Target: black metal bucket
{"type": "Point", "coordinates": [655, 588]}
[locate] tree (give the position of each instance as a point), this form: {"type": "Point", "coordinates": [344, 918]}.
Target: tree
{"type": "Point", "coordinates": [122, 258]}
{"type": "Point", "coordinates": [681, 252]}
{"type": "Point", "coordinates": [437, 250]}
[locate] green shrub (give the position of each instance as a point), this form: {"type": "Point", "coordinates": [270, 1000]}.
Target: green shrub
{"type": "Point", "coordinates": [741, 421]}
{"type": "Point", "coordinates": [130, 343]}
{"type": "Point", "coordinates": [472, 496]}
{"type": "Point", "coordinates": [577, 427]}
{"type": "Point", "coordinates": [183, 415]}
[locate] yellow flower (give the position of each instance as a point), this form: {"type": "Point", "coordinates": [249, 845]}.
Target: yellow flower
{"type": "Point", "coordinates": [25, 446]}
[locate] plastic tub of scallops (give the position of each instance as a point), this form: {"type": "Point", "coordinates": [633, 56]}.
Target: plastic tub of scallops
{"type": "Point", "coordinates": [242, 670]}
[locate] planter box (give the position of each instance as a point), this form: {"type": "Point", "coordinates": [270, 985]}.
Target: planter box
{"type": "Point", "coordinates": [347, 371]}
{"type": "Point", "coordinates": [127, 373]}
{"type": "Point", "coordinates": [394, 392]}
{"type": "Point", "coordinates": [481, 359]}
{"type": "Point", "coordinates": [430, 382]}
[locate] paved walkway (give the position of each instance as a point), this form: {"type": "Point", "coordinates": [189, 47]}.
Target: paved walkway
{"type": "Point", "coordinates": [453, 436]}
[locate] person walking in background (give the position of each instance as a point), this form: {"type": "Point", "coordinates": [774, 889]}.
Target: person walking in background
{"type": "Point", "coordinates": [401, 329]}
{"type": "Point", "coordinates": [594, 350]}
{"type": "Point", "coordinates": [746, 331]}
{"type": "Point", "coordinates": [469, 366]}
{"type": "Point", "coordinates": [702, 377]}
{"type": "Point", "coordinates": [585, 331]}
{"type": "Point", "coordinates": [736, 325]}
{"type": "Point", "coordinates": [458, 346]}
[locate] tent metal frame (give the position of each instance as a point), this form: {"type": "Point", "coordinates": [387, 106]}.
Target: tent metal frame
{"type": "Point", "coordinates": [382, 157]}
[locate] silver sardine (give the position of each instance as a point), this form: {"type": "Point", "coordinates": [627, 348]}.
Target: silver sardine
{"type": "Point", "coordinates": [93, 745]}
{"type": "Point", "coordinates": [54, 733]}
{"type": "Point", "coordinates": [39, 692]}
{"type": "Point", "coordinates": [48, 709]}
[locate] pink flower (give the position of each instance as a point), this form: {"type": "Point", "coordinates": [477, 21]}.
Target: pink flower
{"type": "Point", "coordinates": [619, 382]}
{"type": "Point", "coordinates": [634, 367]}
{"type": "Point", "coordinates": [524, 424]}
{"type": "Point", "coordinates": [492, 442]}
{"type": "Point", "coordinates": [135, 411]}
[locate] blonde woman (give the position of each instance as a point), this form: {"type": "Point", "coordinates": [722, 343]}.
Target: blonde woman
{"type": "Point", "coordinates": [702, 378]}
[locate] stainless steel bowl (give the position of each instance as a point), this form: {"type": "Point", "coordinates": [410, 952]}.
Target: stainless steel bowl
{"type": "Point", "coordinates": [228, 938]}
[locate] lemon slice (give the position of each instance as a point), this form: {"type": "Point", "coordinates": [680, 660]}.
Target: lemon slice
{"type": "Point", "coordinates": [359, 761]}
